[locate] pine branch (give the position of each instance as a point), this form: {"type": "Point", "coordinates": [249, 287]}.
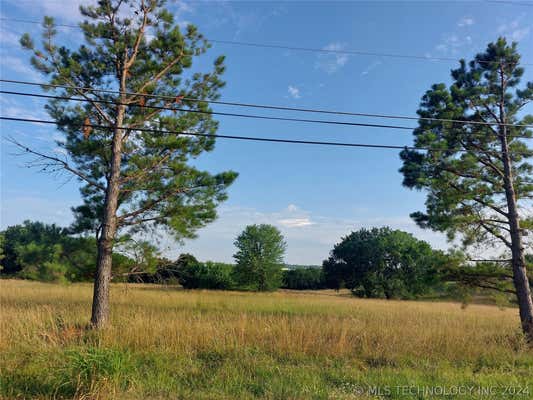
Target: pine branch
{"type": "Point", "coordinates": [480, 201]}
{"type": "Point", "coordinates": [150, 116]}
{"type": "Point", "coordinates": [159, 75]}
{"type": "Point", "coordinates": [149, 205]}
{"type": "Point", "coordinates": [145, 171]}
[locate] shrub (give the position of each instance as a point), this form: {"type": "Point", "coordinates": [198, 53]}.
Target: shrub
{"type": "Point", "coordinates": [303, 279]}
{"type": "Point", "coordinates": [34, 250]}
{"type": "Point", "coordinates": [208, 275]}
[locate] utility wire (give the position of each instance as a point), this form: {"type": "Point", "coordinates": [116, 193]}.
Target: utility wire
{"type": "Point", "coordinates": [260, 139]}
{"type": "Point", "coordinates": [296, 48]}
{"type": "Point", "coordinates": [252, 116]}
{"type": "Point", "coordinates": [511, 3]}
{"type": "Point", "coordinates": [350, 52]}
{"type": "Point", "coordinates": [209, 112]}
{"type": "Point", "coordinates": [252, 138]}
{"type": "Point", "coordinates": [263, 106]}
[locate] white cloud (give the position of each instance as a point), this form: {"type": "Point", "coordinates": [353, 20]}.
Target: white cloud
{"type": "Point", "coordinates": [16, 64]}
{"type": "Point", "coordinates": [8, 38]}
{"type": "Point", "coordinates": [466, 21]}
{"type": "Point", "coordinates": [452, 43]}
{"type": "Point", "coordinates": [332, 59]}
{"type": "Point", "coordinates": [294, 92]}
{"type": "Point", "coordinates": [370, 67]}
{"type": "Point", "coordinates": [67, 10]}
{"type": "Point", "coordinates": [240, 20]}
{"type": "Point", "coordinates": [60, 151]}
{"type": "Point", "coordinates": [292, 208]}
{"type": "Point", "coordinates": [295, 222]}
{"type": "Point", "coordinates": [519, 34]}
{"type": "Point", "coordinates": [23, 112]}
{"type": "Point", "coordinates": [514, 30]}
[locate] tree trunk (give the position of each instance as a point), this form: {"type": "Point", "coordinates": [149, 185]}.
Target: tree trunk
{"type": "Point", "coordinates": [520, 279]}
{"type": "Point", "coordinates": [100, 308]}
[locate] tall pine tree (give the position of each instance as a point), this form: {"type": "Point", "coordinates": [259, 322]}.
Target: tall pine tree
{"type": "Point", "coordinates": [133, 179]}
{"type": "Point", "coordinates": [480, 183]}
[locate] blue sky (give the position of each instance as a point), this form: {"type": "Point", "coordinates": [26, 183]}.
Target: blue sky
{"type": "Point", "coordinates": [315, 195]}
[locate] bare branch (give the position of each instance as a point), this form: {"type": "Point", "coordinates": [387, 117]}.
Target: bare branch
{"type": "Point", "coordinates": [493, 232]}
{"type": "Point", "coordinates": [55, 163]}
{"type": "Point", "coordinates": [139, 37]}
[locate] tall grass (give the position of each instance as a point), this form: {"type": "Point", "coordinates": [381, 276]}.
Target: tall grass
{"type": "Point", "coordinates": [170, 343]}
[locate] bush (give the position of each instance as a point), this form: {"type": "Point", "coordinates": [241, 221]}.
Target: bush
{"type": "Point", "coordinates": [34, 250]}
{"type": "Point", "coordinates": [303, 279]}
{"type": "Point", "coordinates": [208, 275]}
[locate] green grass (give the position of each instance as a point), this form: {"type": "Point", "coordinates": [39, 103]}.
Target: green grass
{"type": "Point", "coordinates": [173, 344]}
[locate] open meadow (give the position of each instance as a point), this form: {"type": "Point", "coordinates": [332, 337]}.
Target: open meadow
{"type": "Point", "coordinates": [165, 342]}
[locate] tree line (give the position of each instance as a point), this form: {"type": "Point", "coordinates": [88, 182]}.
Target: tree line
{"type": "Point", "coordinates": [371, 263]}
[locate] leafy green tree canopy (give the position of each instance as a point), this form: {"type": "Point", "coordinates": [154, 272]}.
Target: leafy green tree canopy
{"type": "Point", "coordinates": [381, 262]}
{"type": "Point", "coordinates": [39, 251]}
{"type": "Point", "coordinates": [259, 257]}
{"type": "Point", "coordinates": [206, 275]}
{"type": "Point", "coordinates": [303, 278]}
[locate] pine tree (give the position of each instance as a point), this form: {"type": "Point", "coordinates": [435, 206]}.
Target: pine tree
{"type": "Point", "coordinates": [480, 183]}
{"type": "Point", "coordinates": [133, 180]}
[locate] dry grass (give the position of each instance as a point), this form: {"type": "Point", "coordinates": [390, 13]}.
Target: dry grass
{"type": "Point", "coordinates": [314, 328]}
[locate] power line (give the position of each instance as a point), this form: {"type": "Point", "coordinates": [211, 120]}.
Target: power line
{"type": "Point", "coordinates": [298, 48]}
{"type": "Point", "coordinates": [348, 52]}
{"type": "Point", "coordinates": [251, 116]}
{"type": "Point", "coordinates": [260, 139]}
{"type": "Point", "coordinates": [252, 138]}
{"type": "Point", "coordinates": [212, 112]}
{"type": "Point", "coordinates": [264, 106]}
{"type": "Point", "coordinates": [28, 21]}
{"type": "Point", "coordinates": [511, 3]}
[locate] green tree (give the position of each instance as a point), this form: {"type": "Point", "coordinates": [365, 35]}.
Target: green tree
{"type": "Point", "coordinates": [35, 250]}
{"type": "Point", "coordinates": [19, 235]}
{"type": "Point", "coordinates": [2, 254]}
{"type": "Point", "coordinates": [141, 257]}
{"type": "Point", "coordinates": [478, 179]}
{"type": "Point", "coordinates": [206, 275]}
{"type": "Point", "coordinates": [133, 179]}
{"type": "Point", "coordinates": [303, 278]}
{"type": "Point", "coordinates": [259, 257]}
{"type": "Point", "coordinates": [381, 262]}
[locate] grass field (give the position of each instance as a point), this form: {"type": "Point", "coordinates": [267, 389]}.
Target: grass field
{"type": "Point", "coordinates": [166, 343]}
